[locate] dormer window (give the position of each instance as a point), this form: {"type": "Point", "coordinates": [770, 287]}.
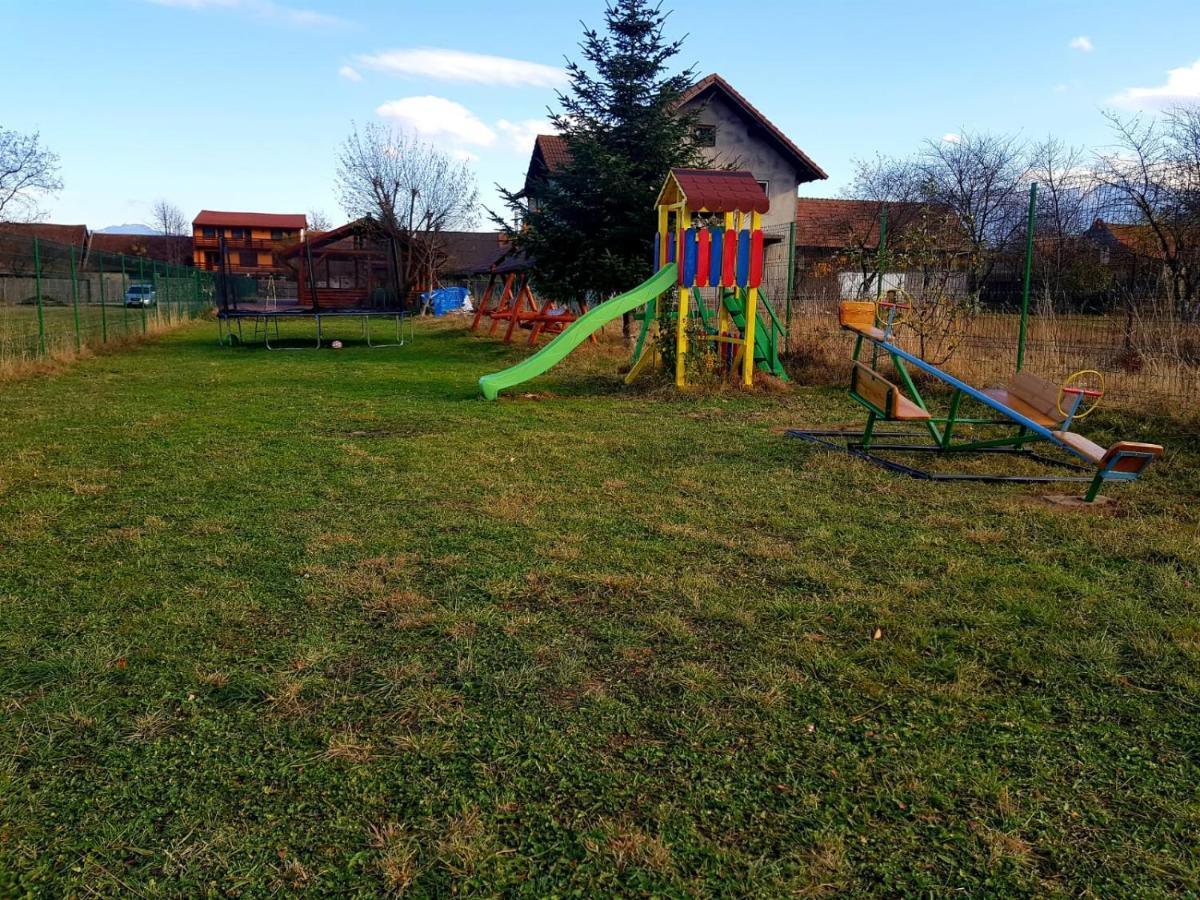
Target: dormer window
{"type": "Point", "coordinates": [705, 135]}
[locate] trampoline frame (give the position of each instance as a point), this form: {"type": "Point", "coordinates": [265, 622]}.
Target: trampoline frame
{"type": "Point", "coordinates": [263, 320]}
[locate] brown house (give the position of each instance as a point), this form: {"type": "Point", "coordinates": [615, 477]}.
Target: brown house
{"type": "Point", "coordinates": [70, 235]}
{"type": "Point", "coordinates": [351, 267]}
{"type": "Point", "coordinates": [242, 243]}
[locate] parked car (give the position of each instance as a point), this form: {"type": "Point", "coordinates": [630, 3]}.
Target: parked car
{"type": "Point", "coordinates": [140, 295]}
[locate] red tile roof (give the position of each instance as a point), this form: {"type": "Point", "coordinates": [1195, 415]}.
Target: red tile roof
{"type": "Point", "coordinates": [838, 224]}
{"type": "Point", "coordinates": [1140, 240]}
{"type": "Point", "coordinates": [164, 247]}
{"type": "Point", "coordinates": [799, 158]}
{"type": "Point", "coordinates": [76, 235]}
{"type": "Point", "coordinates": [720, 190]}
{"type": "Point", "coordinates": [250, 219]}
{"type": "Point", "coordinates": [554, 150]}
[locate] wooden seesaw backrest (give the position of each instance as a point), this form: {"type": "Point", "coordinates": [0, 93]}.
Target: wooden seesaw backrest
{"type": "Point", "coordinates": [1036, 392]}
{"type": "Point", "coordinates": [873, 388]}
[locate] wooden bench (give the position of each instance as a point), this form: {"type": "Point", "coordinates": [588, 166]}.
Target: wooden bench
{"type": "Point", "coordinates": [1034, 398]}
{"type": "Point", "coordinates": [882, 397]}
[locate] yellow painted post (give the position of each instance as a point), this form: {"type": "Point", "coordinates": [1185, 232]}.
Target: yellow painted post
{"type": "Point", "coordinates": [683, 221]}
{"type": "Point", "coordinates": [751, 317]}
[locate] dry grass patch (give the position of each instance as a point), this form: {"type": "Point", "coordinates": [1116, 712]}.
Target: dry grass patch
{"type": "Point", "coordinates": [151, 724]}
{"type": "Point", "coordinates": [466, 844]}
{"type": "Point", "coordinates": [285, 700]}
{"type": "Point", "coordinates": [628, 846]}
{"type": "Point", "coordinates": [346, 746]}
{"type": "Point", "coordinates": [293, 875]}
{"type": "Point", "coordinates": [214, 679]}
{"type": "Point", "coordinates": [397, 856]}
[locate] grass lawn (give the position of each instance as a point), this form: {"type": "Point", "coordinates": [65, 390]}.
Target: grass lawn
{"type": "Point", "coordinates": [326, 620]}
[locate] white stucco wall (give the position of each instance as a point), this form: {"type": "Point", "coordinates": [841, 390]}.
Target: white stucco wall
{"type": "Point", "coordinates": [745, 144]}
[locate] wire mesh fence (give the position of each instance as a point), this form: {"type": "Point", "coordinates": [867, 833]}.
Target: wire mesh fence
{"type": "Point", "coordinates": [59, 298]}
{"type": "Point", "coordinates": [1075, 280]}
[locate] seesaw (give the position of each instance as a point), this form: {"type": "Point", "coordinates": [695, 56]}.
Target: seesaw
{"type": "Point", "coordinates": [1031, 410]}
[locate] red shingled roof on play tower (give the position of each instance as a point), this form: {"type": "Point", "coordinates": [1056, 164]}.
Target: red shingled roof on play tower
{"type": "Point", "coordinates": [720, 190]}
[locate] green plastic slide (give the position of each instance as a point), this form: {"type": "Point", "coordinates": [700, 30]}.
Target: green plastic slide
{"type": "Point", "coordinates": [577, 332]}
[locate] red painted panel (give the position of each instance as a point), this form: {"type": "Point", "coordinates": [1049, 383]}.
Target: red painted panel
{"type": "Point", "coordinates": [703, 248]}
{"type": "Point", "coordinates": [756, 257]}
{"type": "Point", "coordinates": [729, 259]}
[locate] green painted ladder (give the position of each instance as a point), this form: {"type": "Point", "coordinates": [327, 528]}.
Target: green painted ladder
{"type": "Point", "coordinates": [766, 339]}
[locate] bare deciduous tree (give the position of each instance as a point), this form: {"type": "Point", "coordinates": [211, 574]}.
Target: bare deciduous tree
{"type": "Point", "coordinates": [412, 190]}
{"type": "Point", "coordinates": [168, 219]}
{"type": "Point", "coordinates": [882, 183]}
{"type": "Point", "coordinates": [318, 220]}
{"type": "Point", "coordinates": [28, 170]}
{"type": "Point", "coordinates": [982, 178]}
{"type": "Point", "coordinates": [1155, 172]}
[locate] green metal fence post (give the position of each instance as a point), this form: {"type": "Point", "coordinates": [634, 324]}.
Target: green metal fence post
{"type": "Point", "coordinates": [37, 275]}
{"type": "Point", "coordinates": [124, 293]}
{"type": "Point", "coordinates": [1028, 276]}
{"type": "Point", "coordinates": [791, 284]}
{"type": "Point", "coordinates": [75, 298]}
{"type": "Point", "coordinates": [880, 256]}
{"type": "Point", "coordinates": [142, 282]}
{"type": "Point", "coordinates": [103, 312]}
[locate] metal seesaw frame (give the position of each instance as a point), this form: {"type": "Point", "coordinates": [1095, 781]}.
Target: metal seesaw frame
{"type": "Point", "coordinates": [853, 446]}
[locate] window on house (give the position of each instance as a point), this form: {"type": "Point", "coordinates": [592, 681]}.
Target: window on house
{"type": "Point", "coordinates": [247, 259]}
{"type": "Point", "coordinates": [208, 231]}
{"type": "Point", "coordinates": [705, 135]}
{"type": "Point", "coordinates": [766, 186]}
{"type": "Point", "coordinates": [277, 234]}
{"type": "Point", "coordinates": [239, 234]}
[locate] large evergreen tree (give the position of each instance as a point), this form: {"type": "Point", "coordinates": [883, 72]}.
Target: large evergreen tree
{"type": "Point", "coordinates": [590, 231]}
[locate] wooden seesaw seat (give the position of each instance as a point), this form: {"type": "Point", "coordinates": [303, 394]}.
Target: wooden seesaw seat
{"type": "Point", "coordinates": [859, 315]}
{"type": "Point", "coordinates": [1123, 456]}
{"type": "Point", "coordinates": [1033, 397]}
{"type": "Point", "coordinates": [874, 391]}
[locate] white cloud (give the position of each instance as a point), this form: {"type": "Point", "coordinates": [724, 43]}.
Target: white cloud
{"type": "Point", "coordinates": [263, 9]}
{"type": "Point", "coordinates": [1082, 43]}
{"type": "Point", "coordinates": [459, 65]}
{"type": "Point", "coordinates": [951, 137]}
{"type": "Point", "coordinates": [349, 73]}
{"type": "Point", "coordinates": [521, 135]}
{"type": "Point", "coordinates": [436, 118]}
{"type": "Point", "coordinates": [1182, 86]}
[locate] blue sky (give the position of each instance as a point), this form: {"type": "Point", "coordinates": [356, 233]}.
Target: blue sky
{"type": "Point", "coordinates": [240, 104]}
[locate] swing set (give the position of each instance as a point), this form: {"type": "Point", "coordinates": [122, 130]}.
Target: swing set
{"type": "Point", "coordinates": [510, 298]}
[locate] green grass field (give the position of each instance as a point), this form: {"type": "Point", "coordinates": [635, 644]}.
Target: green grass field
{"type": "Point", "coordinates": [272, 621]}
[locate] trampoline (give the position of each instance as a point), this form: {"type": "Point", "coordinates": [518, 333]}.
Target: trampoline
{"type": "Point", "coordinates": [231, 324]}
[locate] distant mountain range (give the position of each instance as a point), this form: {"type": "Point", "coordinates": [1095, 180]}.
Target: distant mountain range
{"type": "Point", "coordinates": [128, 229]}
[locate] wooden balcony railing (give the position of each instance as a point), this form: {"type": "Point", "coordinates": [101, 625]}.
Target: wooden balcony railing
{"type": "Point", "coordinates": [214, 243]}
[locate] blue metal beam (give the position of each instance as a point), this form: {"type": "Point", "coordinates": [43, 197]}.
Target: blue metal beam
{"type": "Point", "coordinates": [1040, 430]}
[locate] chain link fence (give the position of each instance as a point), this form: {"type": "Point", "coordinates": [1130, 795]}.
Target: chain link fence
{"type": "Point", "coordinates": [57, 298]}
{"type": "Point", "coordinates": [1074, 281]}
